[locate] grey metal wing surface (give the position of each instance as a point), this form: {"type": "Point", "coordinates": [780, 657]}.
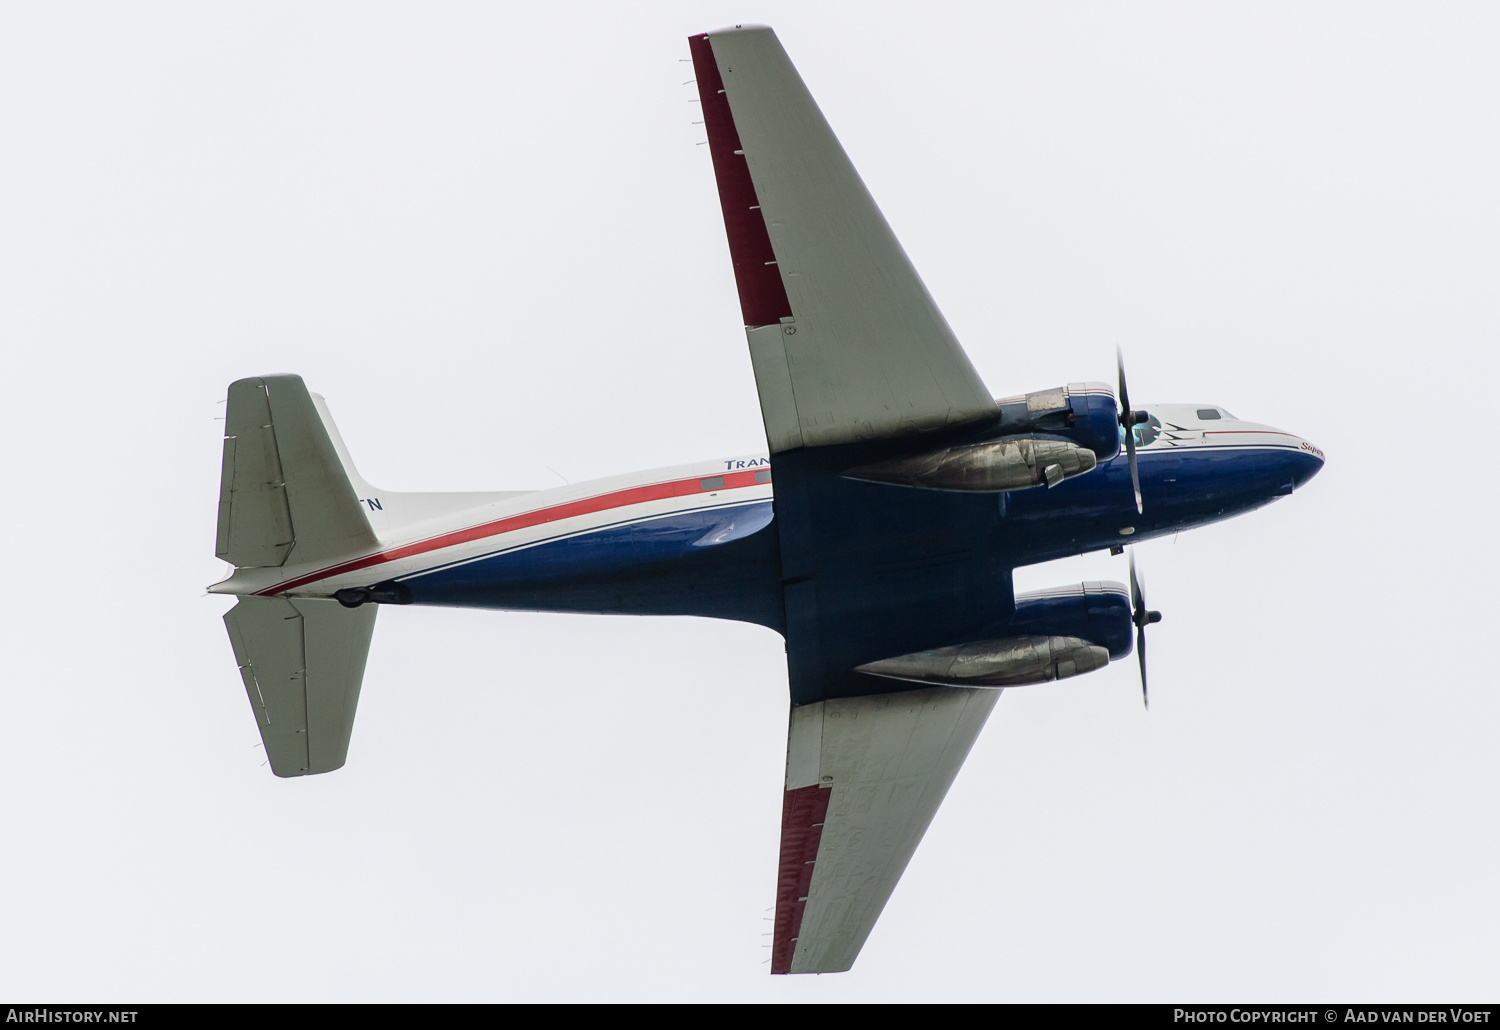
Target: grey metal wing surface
{"type": "Point", "coordinates": [851, 356]}
{"type": "Point", "coordinates": [846, 342]}
{"type": "Point", "coordinates": [864, 778]}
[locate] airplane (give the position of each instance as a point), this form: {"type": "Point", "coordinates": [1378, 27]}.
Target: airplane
{"type": "Point", "coordinates": [877, 532]}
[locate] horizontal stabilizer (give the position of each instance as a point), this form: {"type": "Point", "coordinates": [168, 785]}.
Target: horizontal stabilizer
{"type": "Point", "coordinates": [302, 661]}
{"type": "Point", "coordinates": [283, 494]}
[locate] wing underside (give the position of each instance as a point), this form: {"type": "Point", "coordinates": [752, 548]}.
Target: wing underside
{"type": "Point", "coordinates": [849, 351]}
{"type": "Point", "coordinates": [864, 778]}
{"type": "Point", "coordinates": [846, 343]}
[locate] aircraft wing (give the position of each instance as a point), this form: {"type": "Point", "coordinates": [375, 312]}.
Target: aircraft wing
{"type": "Point", "coordinates": [846, 343]}
{"type": "Point", "coordinates": [864, 777]}
{"type": "Point", "coordinates": [849, 352]}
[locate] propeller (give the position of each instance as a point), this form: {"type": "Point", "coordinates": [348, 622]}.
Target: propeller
{"type": "Point", "coordinates": [1142, 617]}
{"type": "Point", "coordinates": [1128, 421]}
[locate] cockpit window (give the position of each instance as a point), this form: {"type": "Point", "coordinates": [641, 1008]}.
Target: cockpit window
{"type": "Point", "coordinates": [1208, 414]}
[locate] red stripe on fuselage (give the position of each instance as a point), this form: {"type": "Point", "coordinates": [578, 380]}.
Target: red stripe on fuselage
{"type": "Point", "coordinates": [802, 813]}
{"type": "Point", "coordinates": [541, 516]}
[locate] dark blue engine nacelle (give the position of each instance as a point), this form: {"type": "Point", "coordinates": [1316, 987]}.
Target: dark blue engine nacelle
{"type": "Point", "coordinates": [1054, 634]}
{"type": "Point", "coordinates": [1083, 413]}
{"type": "Point", "coordinates": [1096, 612]}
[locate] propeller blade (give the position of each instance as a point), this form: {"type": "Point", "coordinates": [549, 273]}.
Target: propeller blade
{"type": "Point", "coordinates": [1140, 650]}
{"type": "Point", "coordinates": [1128, 420]}
{"type": "Point", "coordinates": [1142, 617]}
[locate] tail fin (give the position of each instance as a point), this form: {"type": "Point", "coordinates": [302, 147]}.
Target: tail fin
{"type": "Point", "coordinates": [284, 493]}
{"type": "Point", "coordinates": [302, 661]}
{"type": "Point", "coordinates": [290, 495]}
{"type": "Point", "coordinates": [391, 511]}
{"type": "Point", "coordinates": [285, 497]}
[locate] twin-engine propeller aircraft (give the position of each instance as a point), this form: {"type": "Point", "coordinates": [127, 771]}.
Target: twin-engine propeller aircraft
{"type": "Point", "coordinates": [877, 535]}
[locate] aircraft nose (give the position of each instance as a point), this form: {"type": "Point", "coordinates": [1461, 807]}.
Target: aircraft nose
{"type": "Point", "coordinates": [1309, 463]}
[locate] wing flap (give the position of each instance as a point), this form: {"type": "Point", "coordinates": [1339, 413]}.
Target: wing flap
{"type": "Point", "coordinates": [868, 353]}
{"type": "Point", "coordinates": [865, 776]}
{"type": "Point", "coordinates": [773, 382]}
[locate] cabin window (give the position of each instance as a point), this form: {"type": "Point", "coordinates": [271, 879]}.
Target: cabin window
{"type": "Point", "coordinates": [1208, 414]}
{"type": "Point", "coordinates": [762, 475]}
{"type": "Point", "coordinates": [716, 483]}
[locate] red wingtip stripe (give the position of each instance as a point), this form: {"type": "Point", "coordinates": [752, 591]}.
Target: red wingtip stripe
{"type": "Point", "coordinates": [802, 813]}
{"type": "Point", "coordinates": [763, 299]}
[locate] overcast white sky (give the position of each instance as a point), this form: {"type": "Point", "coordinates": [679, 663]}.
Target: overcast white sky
{"type": "Point", "coordinates": [486, 234]}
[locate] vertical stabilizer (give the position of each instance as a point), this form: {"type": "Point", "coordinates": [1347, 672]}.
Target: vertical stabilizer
{"type": "Point", "coordinates": [284, 496]}
{"type": "Point", "coordinates": [390, 512]}
{"type": "Point", "coordinates": [290, 495]}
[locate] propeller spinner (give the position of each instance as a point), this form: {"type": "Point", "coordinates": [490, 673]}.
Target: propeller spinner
{"type": "Point", "coordinates": [1142, 617]}
{"type": "Point", "coordinates": [1128, 421]}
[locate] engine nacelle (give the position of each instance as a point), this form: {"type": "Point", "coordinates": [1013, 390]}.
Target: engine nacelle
{"type": "Point", "coordinates": [1084, 413]}
{"type": "Point", "coordinates": [1052, 634]}
{"type": "Point", "coordinates": [1009, 463]}
{"type": "Point", "coordinates": [1097, 612]}
{"type": "Point", "coordinates": [1009, 662]}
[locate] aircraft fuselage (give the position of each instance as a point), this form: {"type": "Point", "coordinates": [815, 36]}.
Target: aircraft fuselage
{"type": "Point", "coordinates": [907, 569]}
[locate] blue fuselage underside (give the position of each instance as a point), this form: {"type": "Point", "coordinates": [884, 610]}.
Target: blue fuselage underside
{"type": "Point", "coordinates": [883, 569]}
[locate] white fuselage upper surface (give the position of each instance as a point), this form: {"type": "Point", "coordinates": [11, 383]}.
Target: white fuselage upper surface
{"type": "Point", "coordinates": [508, 522]}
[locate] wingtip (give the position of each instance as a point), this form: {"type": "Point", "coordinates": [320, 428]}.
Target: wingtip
{"type": "Point", "coordinates": [728, 29]}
